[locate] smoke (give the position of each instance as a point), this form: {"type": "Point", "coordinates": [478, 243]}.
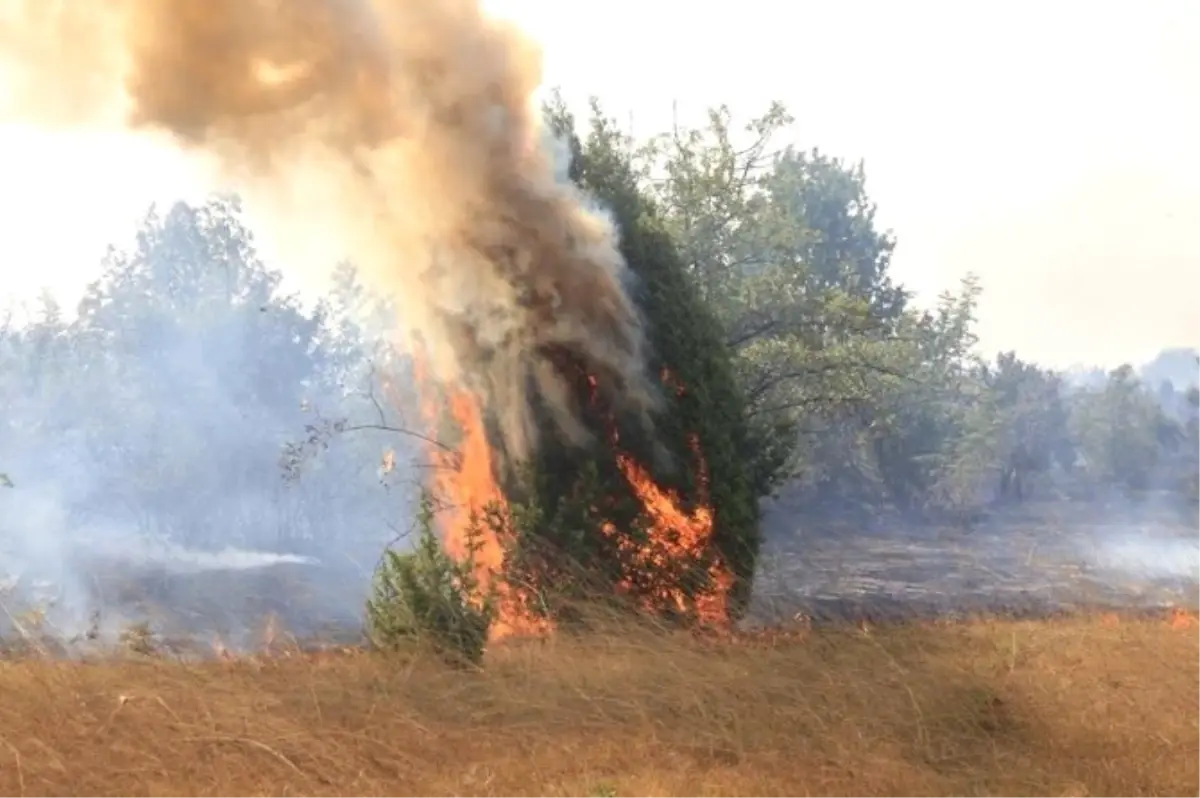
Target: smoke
{"type": "Point", "coordinates": [1142, 555]}
{"type": "Point", "coordinates": [415, 120]}
{"type": "Point", "coordinates": [148, 440]}
{"type": "Point", "coordinates": [62, 565]}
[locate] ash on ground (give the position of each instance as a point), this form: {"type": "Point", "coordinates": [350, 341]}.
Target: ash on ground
{"type": "Point", "coordinates": [215, 603]}
{"type": "Point", "coordinates": [1035, 562]}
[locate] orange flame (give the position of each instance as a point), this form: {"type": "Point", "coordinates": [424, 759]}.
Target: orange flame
{"type": "Point", "coordinates": [473, 489]}
{"type": "Point", "coordinates": [465, 478]}
{"type": "Point", "coordinates": [677, 539]}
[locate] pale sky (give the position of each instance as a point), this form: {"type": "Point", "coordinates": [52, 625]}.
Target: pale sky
{"type": "Point", "coordinates": [1049, 147]}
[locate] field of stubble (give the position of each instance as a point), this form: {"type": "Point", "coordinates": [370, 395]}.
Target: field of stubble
{"type": "Point", "coordinates": [951, 664]}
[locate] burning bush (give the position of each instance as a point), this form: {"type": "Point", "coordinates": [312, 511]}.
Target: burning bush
{"type": "Point", "coordinates": [664, 517]}
{"type": "Point", "coordinates": [416, 117]}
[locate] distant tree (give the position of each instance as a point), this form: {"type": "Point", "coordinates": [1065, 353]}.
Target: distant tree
{"type": "Point", "coordinates": [1033, 416]}
{"type": "Point", "coordinates": [162, 407]}
{"type": "Point", "coordinates": [1121, 432]}
{"type": "Point", "coordinates": [934, 439]}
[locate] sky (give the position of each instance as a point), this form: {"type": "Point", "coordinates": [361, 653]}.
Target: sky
{"type": "Point", "coordinates": [1047, 148]}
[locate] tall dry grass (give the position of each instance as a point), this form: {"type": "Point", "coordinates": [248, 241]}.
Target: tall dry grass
{"type": "Point", "coordinates": [1084, 706]}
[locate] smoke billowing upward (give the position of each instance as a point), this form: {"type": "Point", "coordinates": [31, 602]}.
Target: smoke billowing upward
{"type": "Point", "coordinates": [415, 119]}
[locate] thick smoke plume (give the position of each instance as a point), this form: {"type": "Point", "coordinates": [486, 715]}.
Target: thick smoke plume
{"type": "Point", "coordinates": [415, 120]}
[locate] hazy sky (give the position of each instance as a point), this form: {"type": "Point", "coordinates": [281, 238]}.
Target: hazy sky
{"type": "Point", "coordinates": [1047, 147]}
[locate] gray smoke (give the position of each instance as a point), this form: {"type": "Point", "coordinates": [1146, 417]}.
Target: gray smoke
{"type": "Point", "coordinates": [175, 452]}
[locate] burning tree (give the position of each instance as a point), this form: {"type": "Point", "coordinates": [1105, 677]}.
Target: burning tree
{"type": "Point", "coordinates": [691, 516]}
{"type": "Point", "coordinates": [664, 517]}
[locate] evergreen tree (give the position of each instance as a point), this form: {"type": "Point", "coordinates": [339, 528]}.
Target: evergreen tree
{"type": "Point", "coordinates": [574, 507]}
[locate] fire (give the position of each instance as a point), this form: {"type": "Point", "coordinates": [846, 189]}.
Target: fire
{"type": "Point", "coordinates": [465, 479]}
{"type": "Point", "coordinates": [676, 539]}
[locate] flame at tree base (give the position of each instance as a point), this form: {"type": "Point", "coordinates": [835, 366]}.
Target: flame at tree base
{"type": "Point", "coordinates": [674, 544]}
{"type": "Point", "coordinates": [466, 478]}
{"type": "Point", "coordinates": [677, 542]}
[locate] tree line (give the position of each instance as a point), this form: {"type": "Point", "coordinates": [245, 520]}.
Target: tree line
{"type": "Point", "coordinates": [877, 402]}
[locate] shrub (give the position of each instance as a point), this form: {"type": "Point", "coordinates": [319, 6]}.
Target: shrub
{"type": "Point", "coordinates": [425, 597]}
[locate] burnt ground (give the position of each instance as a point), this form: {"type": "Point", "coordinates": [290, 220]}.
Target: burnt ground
{"type": "Point", "coordinates": [1038, 561]}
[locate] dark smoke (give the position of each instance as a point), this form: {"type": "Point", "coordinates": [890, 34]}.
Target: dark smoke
{"type": "Point", "coordinates": [415, 119]}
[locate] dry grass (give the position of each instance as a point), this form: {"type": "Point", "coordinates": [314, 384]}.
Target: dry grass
{"type": "Point", "coordinates": [1083, 706]}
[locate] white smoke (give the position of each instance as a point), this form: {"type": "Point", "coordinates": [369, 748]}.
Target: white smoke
{"type": "Point", "coordinates": [1147, 556]}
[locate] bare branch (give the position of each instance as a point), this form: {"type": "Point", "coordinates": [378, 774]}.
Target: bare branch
{"type": "Point", "coordinates": [399, 431]}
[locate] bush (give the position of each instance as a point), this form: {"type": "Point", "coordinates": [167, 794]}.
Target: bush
{"type": "Point", "coordinates": [427, 598]}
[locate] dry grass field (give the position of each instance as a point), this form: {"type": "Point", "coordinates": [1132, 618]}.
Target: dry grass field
{"type": "Point", "coordinates": [1090, 705]}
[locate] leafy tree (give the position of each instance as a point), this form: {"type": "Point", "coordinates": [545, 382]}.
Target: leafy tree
{"type": "Point", "coordinates": [926, 435]}
{"type": "Point", "coordinates": [1033, 418]}
{"type": "Point", "coordinates": [856, 398]}
{"type": "Point", "coordinates": [155, 417]}
{"type": "Point", "coordinates": [783, 246]}
{"type": "Point", "coordinates": [1121, 432]}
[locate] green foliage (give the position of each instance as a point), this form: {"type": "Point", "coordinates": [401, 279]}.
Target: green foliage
{"type": "Point", "coordinates": [855, 397]}
{"type": "Point", "coordinates": [187, 337]}
{"type": "Point", "coordinates": [557, 552]}
{"type": "Point", "coordinates": [1121, 432]}
{"type": "Point", "coordinates": [783, 247]}
{"type": "Point", "coordinates": [686, 340]}
{"type": "Point", "coordinates": [424, 596]}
